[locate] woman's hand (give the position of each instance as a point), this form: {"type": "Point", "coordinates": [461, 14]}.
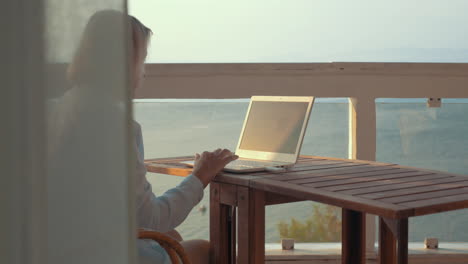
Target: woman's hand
{"type": "Point", "coordinates": [208, 164]}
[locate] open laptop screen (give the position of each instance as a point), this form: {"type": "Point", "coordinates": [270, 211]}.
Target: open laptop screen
{"type": "Point", "coordinates": [274, 126]}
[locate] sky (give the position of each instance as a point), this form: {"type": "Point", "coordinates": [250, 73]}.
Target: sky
{"type": "Point", "coordinates": [305, 30]}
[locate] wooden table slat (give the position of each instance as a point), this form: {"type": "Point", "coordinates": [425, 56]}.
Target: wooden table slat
{"type": "Point", "coordinates": [403, 186]}
{"type": "Point", "coordinates": [345, 174]}
{"type": "Point", "coordinates": [442, 207]}
{"type": "Point", "coordinates": [292, 176]}
{"type": "Point", "coordinates": [438, 204]}
{"type": "Point", "coordinates": [424, 196]}
{"type": "Point", "coordinates": [170, 160]}
{"type": "Point", "coordinates": [332, 198]}
{"type": "Point", "coordinates": [312, 167]}
{"type": "Point", "coordinates": [376, 163]}
{"type": "Point", "coordinates": [365, 177]}
{"type": "Point", "coordinates": [414, 190]}
{"type": "Point", "coordinates": [429, 170]}
{"type": "Point", "coordinates": [302, 165]}
{"type": "Point", "coordinates": [383, 182]}
{"type": "Point", "coordinates": [170, 169]}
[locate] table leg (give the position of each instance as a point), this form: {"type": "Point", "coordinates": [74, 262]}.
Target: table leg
{"type": "Point", "coordinates": [232, 235]}
{"type": "Point", "coordinates": [353, 245]}
{"type": "Point", "coordinates": [393, 241]}
{"type": "Point", "coordinates": [219, 227]}
{"type": "Point", "coordinates": [251, 227]}
{"type": "Point", "coordinates": [403, 242]}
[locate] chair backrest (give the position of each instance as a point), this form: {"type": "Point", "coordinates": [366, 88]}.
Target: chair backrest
{"type": "Point", "coordinates": [173, 248]}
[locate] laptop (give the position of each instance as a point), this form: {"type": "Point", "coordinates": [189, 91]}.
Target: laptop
{"type": "Point", "coordinates": [272, 133]}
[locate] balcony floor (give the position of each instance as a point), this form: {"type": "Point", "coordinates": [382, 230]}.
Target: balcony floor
{"type": "Point", "coordinates": [447, 253]}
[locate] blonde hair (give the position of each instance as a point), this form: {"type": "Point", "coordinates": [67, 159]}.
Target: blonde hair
{"type": "Point", "coordinates": [87, 62]}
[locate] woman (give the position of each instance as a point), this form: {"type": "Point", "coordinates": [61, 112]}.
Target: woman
{"type": "Point", "coordinates": [165, 212]}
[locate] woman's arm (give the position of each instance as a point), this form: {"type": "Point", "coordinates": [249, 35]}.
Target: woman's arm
{"type": "Point", "coordinates": [166, 212]}
{"type": "Point", "coordinates": [169, 210]}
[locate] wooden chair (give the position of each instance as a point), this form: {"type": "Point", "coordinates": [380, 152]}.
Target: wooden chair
{"type": "Point", "coordinates": [173, 248]}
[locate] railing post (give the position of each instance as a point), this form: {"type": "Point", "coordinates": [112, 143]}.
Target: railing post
{"type": "Point", "coordinates": [362, 145]}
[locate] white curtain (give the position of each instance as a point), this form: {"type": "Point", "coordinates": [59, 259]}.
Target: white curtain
{"type": "Point", "coordinates": [66, 194]}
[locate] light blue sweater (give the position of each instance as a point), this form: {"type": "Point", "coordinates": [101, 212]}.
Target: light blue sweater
{"type": "Point", "coordinates": [162, 213]}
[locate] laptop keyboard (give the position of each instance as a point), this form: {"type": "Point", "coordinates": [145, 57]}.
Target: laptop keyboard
{"type": "Point", "coordinates": [240, 163]}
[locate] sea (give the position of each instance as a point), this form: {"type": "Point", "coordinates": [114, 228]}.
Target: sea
{"type": "Point", "coordinates": [408, 133]}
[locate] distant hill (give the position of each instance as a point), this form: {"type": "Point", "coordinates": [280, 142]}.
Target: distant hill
{"type": "Point", "coordinates": [406, 55]}
{"type": "Point", "coordinates": [377, 55]}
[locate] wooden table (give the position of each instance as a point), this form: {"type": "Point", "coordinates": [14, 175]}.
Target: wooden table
{"type": "Point", "coordinates": [392, 192]}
